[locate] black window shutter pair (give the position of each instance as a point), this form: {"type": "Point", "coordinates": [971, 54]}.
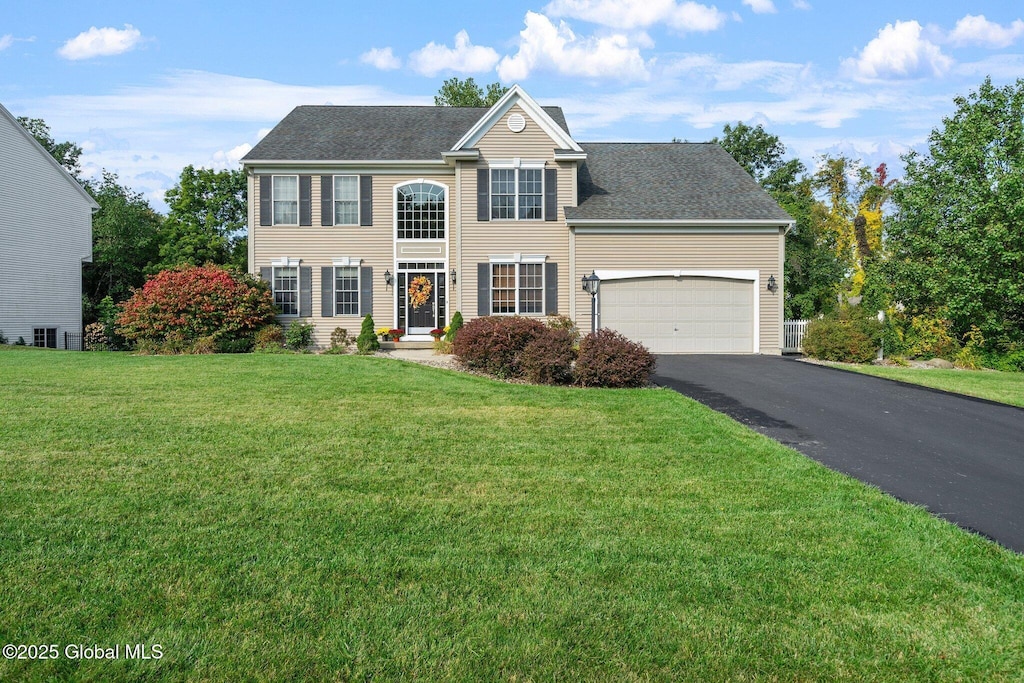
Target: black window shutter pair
{"type": "Point", "coordinates": [327, 291]}
{"type": "Point", "coordinates": [305, 287]}
{"type": "Point", "coordinates": [483, 194]}
{"type": "Point", "coordinates": [365, 200]}
{"type": "Point", "coordinates": [305, 200]}
{"type": "Point", "coordinates": [483, 289]}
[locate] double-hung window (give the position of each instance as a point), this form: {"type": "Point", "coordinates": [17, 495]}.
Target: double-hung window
{"type": "Point", "coordinates": [346, 200]}
{"type": "Point", "coordinates": [517, 193]}
{"type": "Point", "coordinates": [286, 289]}
{"type": "Point", "coordinates": [286, 200]}
{"type": "Point", "coordinates": [346, 290]}
{"type": "Point", "coordinates": [517, 288]}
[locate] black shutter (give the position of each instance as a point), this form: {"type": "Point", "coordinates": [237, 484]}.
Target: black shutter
{"type": "Point", "coordinates": [483, 289]}
{"type": "Point", "coordinates": [326, 200]}
{"type": "Point", "coordinates": [483, 194]}
{"type": "Point", "coordinates": [305, 200]}
{"type": "Point", "coordinates": [305, 291]}
{"type": "Point", "coordinates": [550, 288]}
{"type": "Point", "coordinates": [366, 290]}
{"type": "Point", "coordinates": [551, 194]}
{"type": "Point", "coordinates": [267, 275]}
{"type": "Point", "coordinates": [266, 197]}
{"type": "Point", "coordinates": [366, 200]}
{"type": "Point", "coordinates": [327, 291]}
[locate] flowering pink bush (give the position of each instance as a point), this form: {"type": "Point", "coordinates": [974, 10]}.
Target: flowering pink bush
{"type": "Point", "coordinates": [195, 302]}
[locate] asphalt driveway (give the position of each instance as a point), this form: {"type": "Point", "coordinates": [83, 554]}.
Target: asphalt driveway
{"type": "Point", "coordinates": [961, 458]}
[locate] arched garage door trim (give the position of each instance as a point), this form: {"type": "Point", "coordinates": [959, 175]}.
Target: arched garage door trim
{"type": "Point", "coordinates": [752, 276]}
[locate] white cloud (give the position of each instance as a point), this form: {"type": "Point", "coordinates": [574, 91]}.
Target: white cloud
{"type": "Point", "coordinates": [6, 41]}
{"type": "Point", "coordinates": [465, 57]}
{"type": "Point", "coordinates": [898, 52]}
{"type": "Point", "coordinates": [707, 71]}
{"type": "Point", "coordinates": [381, 58]}
{"type": "Point", "coordinates": [630, 14]}
{"type": "Point", "coordinates": [101, 42]}
{"type": "Point", "coordinates": [230, 158]}
{"type": "Point", "coordinates": [977, 30]}
{"type": "Point", "coordinates": [801, 4]}
{"type": "Point", "coordinates": [544, 46]}
{"type": "Point", "coordinates": [761, 6]}
{"type": "Point", "coordinates": [148, 132]}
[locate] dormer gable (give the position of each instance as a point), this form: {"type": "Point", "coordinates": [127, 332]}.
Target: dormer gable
{"type": "Point", "coordinates": [516, 96]}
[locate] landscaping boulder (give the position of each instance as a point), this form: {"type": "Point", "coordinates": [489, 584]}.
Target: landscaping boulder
{"type": "Point", "coordinates": [940, 363]}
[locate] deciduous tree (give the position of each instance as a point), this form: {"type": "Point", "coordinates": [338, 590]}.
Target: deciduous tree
{"type": "Point", "coordinates": [206, 219]}
{"type": "Point", "coordinates": [957, 234]}
{"type": "Point", "coordinates": [458, 93]}
{"type": "Point", "coordinates": [66, 153]}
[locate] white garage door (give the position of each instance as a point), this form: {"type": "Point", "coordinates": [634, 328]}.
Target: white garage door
{"type": "Point", "coordinates": [681, 314]}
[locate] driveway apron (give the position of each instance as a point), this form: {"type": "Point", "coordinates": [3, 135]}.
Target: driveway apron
{"type": "Point", "coordinates": [961, 458]}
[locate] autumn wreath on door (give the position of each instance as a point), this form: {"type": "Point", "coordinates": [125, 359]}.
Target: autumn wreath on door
{"type": "Point", "coordinates": [419, 291]}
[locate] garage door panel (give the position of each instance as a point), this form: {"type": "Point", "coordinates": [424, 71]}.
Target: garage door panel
{"type": "Point", "coordinates": [681, 315]}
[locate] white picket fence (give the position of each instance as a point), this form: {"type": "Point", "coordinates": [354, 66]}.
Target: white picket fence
{"type": "Point", "coordinates": [793, 335]}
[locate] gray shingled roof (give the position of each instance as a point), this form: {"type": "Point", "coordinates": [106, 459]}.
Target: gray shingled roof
{"type": "Point", "coordinates": [330, 133]}
{"type": "Point", "coordinates": [668, 181]}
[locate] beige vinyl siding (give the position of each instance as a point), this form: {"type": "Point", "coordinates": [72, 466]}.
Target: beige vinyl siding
{"type": "Point", "coordinates": [481, 240]}
{"type": "Point", "coordinates": [713, 251]}
{"type": "Point", "coordinates": [318, 246]}
{"type": "Point", "coordinates": [501, 143]}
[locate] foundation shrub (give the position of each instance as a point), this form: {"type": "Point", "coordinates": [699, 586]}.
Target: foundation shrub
{"type": "Point", "coordinates": [850, 335]}
{"type": "Point", "coordinates": [177, 307]}
{"type": "Point", "coordinates": [367, 342]}
{"type": "Point", "coordinates": [494, 344]}
{"type": "Point", "coordinates": [453, 327]}
{"type": "Point", "coordinates": [548, 359]}
{"type": "Point", "coordinates": [564, 322]}
{"type": "Point", "coordinates": [608, 359]}
{"type": "Point", "coordinates": [299, 335]}
{"type": "Point", "coordinates": [269, 339]}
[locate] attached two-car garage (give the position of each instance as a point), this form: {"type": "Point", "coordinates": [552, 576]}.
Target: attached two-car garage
{"type": "Point", "coordinates": [682, 313]}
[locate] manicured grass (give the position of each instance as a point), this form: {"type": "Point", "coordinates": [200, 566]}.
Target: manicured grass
{"type": "Point", "coordinates": [1004, 387]}
{"type": "Point", "coordinates": [337, 518]}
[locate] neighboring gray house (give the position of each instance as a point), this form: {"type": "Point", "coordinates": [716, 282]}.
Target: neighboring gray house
{"type": "Point", "coordinates": [45, 236]}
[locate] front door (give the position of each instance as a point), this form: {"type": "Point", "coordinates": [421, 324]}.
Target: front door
{"type": "Point", "coordinates": [421, 302]}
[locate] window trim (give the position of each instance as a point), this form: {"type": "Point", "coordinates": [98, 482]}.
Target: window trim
{"type": "Point", "coordinates": [335, 200]}
{"type": "Point", "coordinates": [447, 209]}
{"type": "Point", "coordinates": [45, 332]}
{"type": "Point", "coordinates": [517, 165]}
{"type": "Point", "coordinates": [274, 200]}
{"type": "Point", "coordinates": [347, 262]}
{"type": "Point", "coordinates": [287, 263]}
{"type": "Point", "coordinates": [519, 260]}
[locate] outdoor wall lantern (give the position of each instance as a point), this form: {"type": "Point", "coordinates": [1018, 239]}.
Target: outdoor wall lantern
{"type": "Point", "coordinates": [772, 284]}
{"type": "Point", "coordinates": [591, 283]}
{"type": "Point", "coordinates": [388, 278]}
{"type": "Point", "coordinates": [453, 276]}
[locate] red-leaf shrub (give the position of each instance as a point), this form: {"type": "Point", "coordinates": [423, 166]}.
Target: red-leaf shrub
{"type": "Point", "coordinates": [607, 359]}
{"type": "Point", "coordinates": [191, 302]}
{"type": "Point", "coordinates": [493, 344]}
{"type": "Point", "coordinates": [548, 358]}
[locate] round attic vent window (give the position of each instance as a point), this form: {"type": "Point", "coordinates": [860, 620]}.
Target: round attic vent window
{"type": "Point", "coordinates": [516, 123]}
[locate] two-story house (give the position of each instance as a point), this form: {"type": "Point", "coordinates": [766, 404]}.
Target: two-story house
{"type": "Point", "coordinates": [500, 211]}
{"type": "Point", "coordinates": [45, 237]}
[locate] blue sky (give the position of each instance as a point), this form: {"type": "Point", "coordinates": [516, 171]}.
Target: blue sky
{"type": "Point", "coordinates": [147, 88]}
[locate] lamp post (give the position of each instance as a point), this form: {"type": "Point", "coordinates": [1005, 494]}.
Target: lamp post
{"type": "Point", "coordinates": [591, 283]}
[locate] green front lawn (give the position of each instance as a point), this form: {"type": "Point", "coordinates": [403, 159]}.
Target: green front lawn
{"type": "Point", "coordinates": [338, 517]}
{"type": "Point", "coordinates": [1004, 387]}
